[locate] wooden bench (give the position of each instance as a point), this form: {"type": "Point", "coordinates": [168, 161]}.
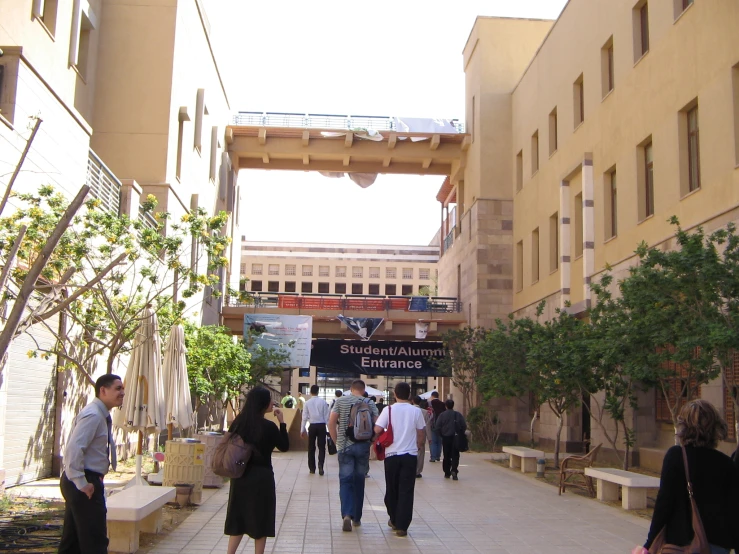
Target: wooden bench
{"type": "Point", "coordinates": [635, 485]}
{"type": "Point", "coordinates": [524, 457]}
{"type": "Point", "coordinates": [132, 511]}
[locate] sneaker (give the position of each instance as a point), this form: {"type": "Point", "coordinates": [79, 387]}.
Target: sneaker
{"type": "Point", "coordinates": [391, 524]}
{"type": "Point", "coordinates": [447, 475]}
{"type": "Point", "coordinates": [418, 476]}
{"type": "Point", "coordinates": [320, 471]}
{"type": "Point", "coordinates": [356, 523]}
{"type": "Point", "coordinates": [401, 533]}
{"type": "Point", "coordinates": [454, 476]}
{"type": "Point", "coordinates": [347, 525]}
{"type": "Point", "coordinates": [432, 460]}
{"type": "Point", "coordinates": [366, 475]}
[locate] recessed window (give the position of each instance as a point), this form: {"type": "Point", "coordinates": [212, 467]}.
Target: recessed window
{"type": "Point", "coordinates": [390, 290]}
{"type": "Point", "coordinates": [519, 265]}
{"type": "Point", "coordinates": [640, 19]}
{"type": "Point", "coordinates": [213, 152]}
{"type": "Point", "coordinates": [519, 170]}
{"type": "Point", "coordinates": [46, 10]}
{"type": "Point", "coordinates": [307, 271]}
{"type": "Point", "coordinates": [357, 288]}
{"type": "Point", "coordinates": [374, 272]}
{"type": "Point", "coordinates": [323, 288]}
{"type": "Point", "coordinates": [407, 290]}
{"type": "Point", "coordinates": [256, 269]}
{"type": "Point", "coordinates": [694, 163]}
{"type": "Point", "coordinates": [243, 269]}
{"type": "Point", "coordinates": [273, 286]}
{"type": "Point", "coordinates": [274, 269]}
{"type": "Point", "coordinates": [340, 288]}
{"type": "Point", "coordinates": [289, 286]}
{"type": "Point", "coordinates": [610, 204]}
{"type": "Point", "coordinates": [577, 226]}
{"type": "Point", "coordinates": [390, 273]}
{"type": "Point", "coordinates": [535, 152]}
{"type": "Point", "coordinates": [357, 273]}
{"type": "Point", "coordinates": [80, 42]}
{"type": "Point", "coordinates": [554, 242]}
{"type": "Point", "coordinates": [578, 99]}
{"type": "Point", "coordinates": [340, 271]}
{"type": "Point", "coordinates": [374, 288]}
{"type": "Point", "coordinates": [535, 255]}
{"type": "Point", "coordinates": [680, 6]}
{"type": "Point", "coordinates": [200, 112]}
{"type": "Point", "coordinates": [290, 269]}
{"type": "Point", "coordinates": [735, 86]}
{"type": "Point", "coordinates": [306, 286]}
{"type": "Point", "coordinates": [256, 286]}
{"type": "Point", "coordinates": [645, 179]}
{"type": "Point", "coordinates": [182, 117]}
{"type": "Point", "coordinates": [407, 273]}
{"type": "Point", "coordinates": [424, 274]}
{"type": "Point", "coordinates": [324, 271]}
{"type": "Point", "coordinates": [553, 132]}
{"type": "Point", "coordinates": [608, 80]}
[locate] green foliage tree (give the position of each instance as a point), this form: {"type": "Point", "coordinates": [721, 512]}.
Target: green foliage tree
{"type": "Point", "coordinates": [462, 361]}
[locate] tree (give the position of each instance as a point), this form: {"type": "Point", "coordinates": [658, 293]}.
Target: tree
{"type": "Point", "coordinates": [462, 361]}
{"type": "Point", "coordinates": [109, 268]}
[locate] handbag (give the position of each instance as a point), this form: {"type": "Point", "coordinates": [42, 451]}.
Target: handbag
{"type": "Point", "coordinates": [460, 437]}
{"type": "Point", "coordinates": [231, 456]}
{"type": "Point", "coordinates": [330, 445]}
{"type": "Point", "coordinates": [385, 438]}
{"type": "Point", "coordinates": [699, 544]}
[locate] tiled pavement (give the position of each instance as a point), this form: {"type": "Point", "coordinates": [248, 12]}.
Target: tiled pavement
{"type": "Point", "coordinates": [490, 510]}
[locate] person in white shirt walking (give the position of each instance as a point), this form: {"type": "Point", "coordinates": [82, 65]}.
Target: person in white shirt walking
{"type": "Point", "coordinates": [316, 413]}
{"type": "Point", "coordinates": [409, 436]}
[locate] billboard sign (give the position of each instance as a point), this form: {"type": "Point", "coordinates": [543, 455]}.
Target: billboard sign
{"type": "Point", "coordinates": [377, 357]}
{"type": "Point", "coordinates": [278, 331]}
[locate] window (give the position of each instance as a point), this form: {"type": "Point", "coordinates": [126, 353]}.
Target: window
{"type": "Point", "coordinates": [390, 290]}
{"type": "Point", "coordinates": [290, 269]}
{"type": "Point", "coordinates": [304, 387]}
{"type": "Point", "coordinates": [519, 170]}
{"type": "Point", "coordinates": [357, 272]}
{"type": "Point", "coordinates": [357, 288]}
{"type": "Point", "coordinates": [577, 226]}
{"type": "Point", "coordinates": [578, 92]}
{"type": "Point", "coordinates": [79, 45]}
{"type": "Point", "coordinates": [182, 117]}
{"type": "Point", "coordinates": [471, 123]}
{"type": "Point", "coordinates": [677, 392]}
{"type": "Point", "coordinates": [340, 288]}
{"type": "Point", "coordinates": [274, 269]}
{"type": "Point", "coordinates": [390, 273]}
{"type": "Point", "coordinates": [307, 271]}
{"type": "Point", "coordinates": [243, 269]}
{"type": "Point", "coordinates": [374, 273]}
{"type": "Point", "coordinates": [407, 290]}
{"type": "Point", "coordinates": [641, 29]}
{"type": "Point", "coordinates": [256, 269]}
{"type": "Point", "coordinates": [554, 242]}
{"type": "Point", "coordinates": [519, 265]}
{"type": "Point", "coordinates": [340, 271]}
{"type": "Point", "coordinates": [289, 286]}
{"type": "Point", "coordinates": [645, 179]}
{"type": "Point", "coordinates": [610, 204]}
{"type": "Point", "coordinates": [553, 131]}
{"type": "Point", "coordinates": [680, 6]}
{"type": "Point", "coordinates": [323, 288]}
{"type": "Point", "coordinates": [424, 274]}
{"type": "Point", "coordinates": [213, 152]}
{"type": "Point", "coordinates": [535, 255]}
{"type": "Point", "coordinates": [694, 170]}
{"type": "Point", "coordinates": [606, 67]}
{"type": "Point", "coordinates": [273, 286]}
{"type": "Point", "coordinates": [374, 289]}
{"type": "Point", "coordinates": [46, 10]}
{"type": "Point", "coordinates": [735, 86]}
{"type": "Point", "coordinates": [407, 273]}
{"type": "Point", "coordinates": [200, 112]}
{"type": "Point", "coordinates": [304, 372]}
{"type": "Point", "coordinates": [324, 271]}
{"type": "Point", "coordinates": [535, 152]}
{"type": "Point", "coordinates": [256, 286]}
{"type": "Point", "coordinates": [306, 286]}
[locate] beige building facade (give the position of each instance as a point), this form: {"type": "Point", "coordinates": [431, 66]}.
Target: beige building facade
{"type": "Point", "coordinates": [132, 103]}
{"type": "Point", "coordinates": [588, 134]}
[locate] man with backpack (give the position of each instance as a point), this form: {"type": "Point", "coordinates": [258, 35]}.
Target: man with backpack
{"type": "Point", "coordinates": [351, 426]}
{"type": "Point", "coordinates": [288, 401]}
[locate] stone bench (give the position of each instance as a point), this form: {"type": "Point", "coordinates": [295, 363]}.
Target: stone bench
{"type": "Point", "coordinates": [524, 457]}
{"type": "Point", "coordinates": [132, 511]}
{"type": "Point", "coordinates": [635, 485]}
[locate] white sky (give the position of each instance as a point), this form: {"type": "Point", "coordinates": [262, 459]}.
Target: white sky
{"type": "Point", "coordinates": [393, 58]}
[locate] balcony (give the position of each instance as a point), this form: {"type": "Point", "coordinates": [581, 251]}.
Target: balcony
{"type": "Point", "coordinates": [342, 302]}
{"type": "Point", "coordinates": [104, 185]}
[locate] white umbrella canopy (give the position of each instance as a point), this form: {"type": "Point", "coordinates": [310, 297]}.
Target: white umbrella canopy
{"type": "Point", "coordinates": [426, 395]}
{"type": "Point", "coordinates": [178, 404]}
{"type": "Point", "coordinates": [143, 405]}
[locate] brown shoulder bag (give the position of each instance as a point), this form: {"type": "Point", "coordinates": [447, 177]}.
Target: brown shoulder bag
{"type": "Point", "coordinates": [699, 544]}
{"type": "Point", "coordinates": [231, 456]}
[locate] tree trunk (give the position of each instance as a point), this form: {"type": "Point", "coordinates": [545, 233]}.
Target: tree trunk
{"type": "Point", "coordinates": [627, 446]}
{"type": "Point", "coordinates": [560, 423]}
{"type": "Point", "coordinates": [531, 427]}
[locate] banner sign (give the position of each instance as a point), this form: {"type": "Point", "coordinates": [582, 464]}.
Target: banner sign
{"type": "Point", "coordinates": [364, 327]}
{"type": "Point", "coordinates": [277, 331]}
{"type": "Point", "coordinates": [422, 330]}
{"type": "Point", "coordinates": [377, 357]}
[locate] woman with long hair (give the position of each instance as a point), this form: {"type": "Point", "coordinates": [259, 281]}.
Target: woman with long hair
{"type": "Point", "coordinates": [715, 484]}
{"type": "Point", "coordinates": [252, 502]}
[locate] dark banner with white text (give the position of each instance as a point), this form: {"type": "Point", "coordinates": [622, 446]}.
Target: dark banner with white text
{"type": "Point", "coordinates": [377, 357]}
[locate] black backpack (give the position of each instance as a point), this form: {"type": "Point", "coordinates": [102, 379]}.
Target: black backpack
{"type": "Point", "coordinates": [289, 403]}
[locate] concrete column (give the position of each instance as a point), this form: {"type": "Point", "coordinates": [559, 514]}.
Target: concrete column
{"type": "Point", "coordinates": [130, 198]}
{"type": "Point", "coordinates": [588, 224]}
{"type": "Point", "coordinates": [442, 235]}
{"type": "Point", "coordinates": [460, 207]}
{"type": "Point", "coordinates": [564, 242]}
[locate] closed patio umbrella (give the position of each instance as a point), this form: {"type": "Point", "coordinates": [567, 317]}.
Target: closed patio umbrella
{"type": "Point", "coordinates": [178, 403]}
{"type": "Point", "coordinates": [143, 405]}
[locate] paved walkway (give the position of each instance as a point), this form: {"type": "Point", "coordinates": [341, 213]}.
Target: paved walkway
{"type": "Point", "coordinates": [490, 510]}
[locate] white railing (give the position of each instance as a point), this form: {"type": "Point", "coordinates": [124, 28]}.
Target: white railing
{"type": "Point", "coordinates": [104, 185]}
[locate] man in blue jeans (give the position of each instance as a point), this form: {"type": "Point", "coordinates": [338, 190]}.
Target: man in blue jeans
{"type": "Point", "coordinates": [353, 456]}
{"type": "Point", "coordinates": [439, 408]}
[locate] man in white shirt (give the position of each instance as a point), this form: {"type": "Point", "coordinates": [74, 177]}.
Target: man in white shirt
{"type": "Point", "coordinates": [401, 457]}
{"type": "Point", "coordinates": [316, 413]}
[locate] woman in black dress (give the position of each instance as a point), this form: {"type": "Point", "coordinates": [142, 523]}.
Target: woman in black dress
{"type": "Point", "coordinates": [251, 501]}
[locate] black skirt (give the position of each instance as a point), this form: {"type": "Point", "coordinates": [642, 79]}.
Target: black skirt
{"type": "Point", "coordinates": [252, 503]}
